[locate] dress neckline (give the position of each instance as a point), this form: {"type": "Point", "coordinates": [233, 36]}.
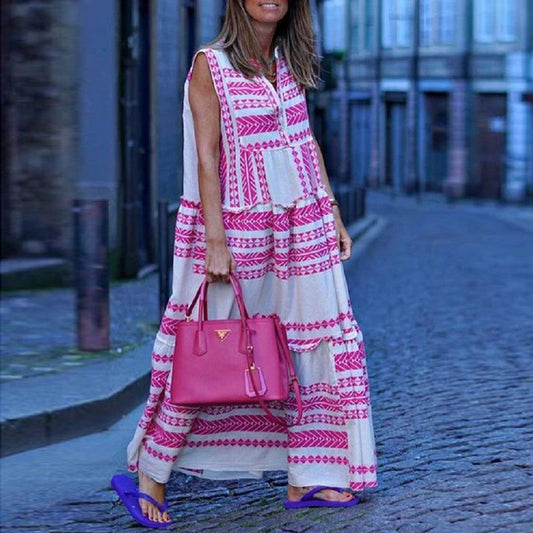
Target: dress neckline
{"type": "Point", "coordinates": [271, 86]}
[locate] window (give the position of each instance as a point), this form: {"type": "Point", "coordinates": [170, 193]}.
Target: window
{"type": "Point", "coordinates": [437, 22]}
{"type": "Point", "coordinates": [403, 22]}
{"type": "Point", "coordinates": [495, 20]}
{"type": "Point", "coordinates": [506, 21]}
{"type": "Point", "coordinates": [387, 23]}
{"type": "Point", "coordinates": [397, 23]}
{"type": "Point", "coordinates": [369, 24]}
{"type": "Point", "coordinates": [361, 24]}
{"type": "Point", "coordinates": [447, 20]}
{"type": "Point", "coordinates": [355, 25]}
{"type": "Point", "coordinates": [426, 22]}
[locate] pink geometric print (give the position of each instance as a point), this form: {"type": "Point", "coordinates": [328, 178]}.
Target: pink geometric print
{"type": "Point", "coordinates": [250, 125]}
{"type": "Point", "coordinates": [284, 249]}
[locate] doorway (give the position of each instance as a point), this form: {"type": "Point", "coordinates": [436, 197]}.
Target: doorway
{"type": "Point", "coordinates": [436, 140]}
{"type": "Point", "coordinates": [136, 245]}
{"type": "Point", "coordinates": [360, 142]}
{"type": "Point", "coordinates": [395, 144]}
{"type": "Point", "coordinates": [490, 137]}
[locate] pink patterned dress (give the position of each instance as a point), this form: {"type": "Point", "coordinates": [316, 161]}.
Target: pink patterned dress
{"type": "Point", "coordinates": [281, 232]}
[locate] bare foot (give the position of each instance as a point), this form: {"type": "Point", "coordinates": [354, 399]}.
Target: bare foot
{"type": "Point", "coordinates": [155, 490]}
{"type": "Point", "coordinates": [294, 494]}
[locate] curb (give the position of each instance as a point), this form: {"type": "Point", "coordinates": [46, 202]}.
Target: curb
{"type": "Point", "coordinates": [364, 232]}
{"type": "Point", "coordinates": [43, 410]}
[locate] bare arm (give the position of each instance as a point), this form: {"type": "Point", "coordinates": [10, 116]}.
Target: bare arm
{"type": "Point", "coordinates": [206, 117]}
{"type": "Point", "coordinates": [343, 238]}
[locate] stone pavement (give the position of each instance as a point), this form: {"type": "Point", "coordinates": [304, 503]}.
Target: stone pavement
{"type": "Point", "coordinates": [444, 300]}
{"type": "Point", "coordinates": [39, 332]}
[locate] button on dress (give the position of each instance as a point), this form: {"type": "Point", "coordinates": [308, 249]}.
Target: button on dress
{"type": "Point", "coordinates": [281, 231]}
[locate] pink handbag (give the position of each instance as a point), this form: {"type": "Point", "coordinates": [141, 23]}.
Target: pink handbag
{"type": "Point", "coordinates": [234, 361]}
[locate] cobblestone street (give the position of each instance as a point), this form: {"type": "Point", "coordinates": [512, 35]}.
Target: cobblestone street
{"type": "Point", "coordinates": [444, 298]}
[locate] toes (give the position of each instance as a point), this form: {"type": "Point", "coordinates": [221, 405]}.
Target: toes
{"type": "Point", "coordinates": [144, 506]}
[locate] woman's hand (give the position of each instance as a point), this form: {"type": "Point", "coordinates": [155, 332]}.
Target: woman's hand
{"type": "Point", "coordinates": [219, 262]}
{"type": "Point", "coordinates": [343, 238]}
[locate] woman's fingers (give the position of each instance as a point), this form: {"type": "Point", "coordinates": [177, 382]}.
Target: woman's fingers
{"type": "Point", "coordinates": [345, 244]}
{"type": "Point", "coordinates": [346, 248]}
{"type": "Point", "coordinates": [219, 265]}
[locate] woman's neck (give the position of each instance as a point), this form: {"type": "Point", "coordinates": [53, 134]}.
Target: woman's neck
{"type": "Point", "coordinates": [265, 35]}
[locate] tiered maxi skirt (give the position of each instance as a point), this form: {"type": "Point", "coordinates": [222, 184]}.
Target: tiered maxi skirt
{"type": "Point", "coordinates": [287, 263]}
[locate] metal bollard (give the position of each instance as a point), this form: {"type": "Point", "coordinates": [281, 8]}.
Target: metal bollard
{"type": "Point", "coordinates": [91, 273]}
{"type": "Point", "coordinates": [162, 220]}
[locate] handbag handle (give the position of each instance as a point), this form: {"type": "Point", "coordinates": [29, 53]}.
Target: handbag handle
{"type": "Point", "coordinates": [200, 344]}
{"type": "Point", "coordinates": [246, 347]}
{"type": "Point", "coordinates": [190, 307]}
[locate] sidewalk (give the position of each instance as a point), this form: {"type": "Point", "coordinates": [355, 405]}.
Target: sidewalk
{"type": "Point", "coordinates": [52, 392]}
{"type": "Point", "coordinates": [517, 215]}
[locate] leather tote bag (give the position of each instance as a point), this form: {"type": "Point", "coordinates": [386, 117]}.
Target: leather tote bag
{"type": "Point", "coordinates": [233, 361]}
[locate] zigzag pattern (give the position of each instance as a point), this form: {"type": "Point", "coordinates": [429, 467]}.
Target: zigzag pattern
{"type": "Point", "coordinates": [263, 145]}
{"type": "Point", "coordinates": [324, 419]}
{"type": "Point", "coordinates": [358, 486]}
{"type": "Point", "coordinates": [227, 130]}
{"type": "Point", "coordinates": [242, 423]}
{"type": "Point", "coordinates": [285, 76]}
{"type": "Point", "coordinates": [247, 443]}
{"type": "Point", "coordinates": [353, 382]}
{"type": "Point", "coordinates": [174, 421]}
{"type": "Point", "coordinates": [186, 219]}
{"type": "Point", "coordinates": [256, 222]}
{"type": "Point", "coordinates": [296, 113]}
{"type": "Point", "coordinates": [159, 455]}
{"type": "Point", "coordinates": [162, 358]}
{"type": "Point", "coordinates": [256, 124]}
{"type": "Point", "coordinates": [223, 171]}
{"type": "Point", "coordinates": [360, 470]}
{"type": "Point", "coordinates": [348, 361]}
{"type": "Point", "coordinates": [261, 177]}
{"type": "Point", "coordinates": [159, 378]}
{"type": "Point", "coordinates": [324, 459]}
{"type": "Point", "coordinates": [363, 469]}
{"type": "Point", "coordinates": [299, 166]}
{"type": "Point", "coordinates": [244, 88]}
{"type": "Point", "coordinates": [259, 103]}
{"type": "Point", "coordinates": [301, 136]}
{"type": "Point", "coordinates": [293, 92]}
{"type": "Point", "coordinates": [176, 307]}
{"type": "Point", "coordinates": [318, 324]}
{"type": "Point", "coordinates": [248, 178]}
{"type": "Point", "coordinates": [169, 439]}
{"type": "Point", "coordinates": [314, 178]}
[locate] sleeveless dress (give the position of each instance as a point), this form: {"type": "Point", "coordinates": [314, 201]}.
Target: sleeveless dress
{"type": "Point", "coordinates": [281, 232]}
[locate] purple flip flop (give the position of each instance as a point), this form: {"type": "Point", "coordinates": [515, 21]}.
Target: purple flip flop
{"type": "Point", "coordinates": [129, 495]}
{"type": "Point", "coordinates": [309, 500]}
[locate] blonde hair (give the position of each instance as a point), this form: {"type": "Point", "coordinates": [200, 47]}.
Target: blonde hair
{"type": "Point", "coordinates": [294, 37]}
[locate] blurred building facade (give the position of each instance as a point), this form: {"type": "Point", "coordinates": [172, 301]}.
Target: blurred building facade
{"type": "Point", "coordinates": [433, 95]}
{"type": "Point", "coordinates": [91, 108]}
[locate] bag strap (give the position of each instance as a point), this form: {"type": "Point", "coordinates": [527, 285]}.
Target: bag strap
{"type": "Point", "coordinates": [293, 379]}
{"type": "Point", "coordinates": [188, 312]}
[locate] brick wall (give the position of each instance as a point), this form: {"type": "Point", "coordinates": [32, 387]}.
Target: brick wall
{"type": "Point", "coordinates": [39, 117]}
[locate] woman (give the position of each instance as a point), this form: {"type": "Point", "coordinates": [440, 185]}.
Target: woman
{"type": "Point", "coordinates": [257, 203]}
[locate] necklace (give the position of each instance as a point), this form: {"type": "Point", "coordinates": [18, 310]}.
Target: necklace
{"type": "Point", "coordinates": [270, 74]}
